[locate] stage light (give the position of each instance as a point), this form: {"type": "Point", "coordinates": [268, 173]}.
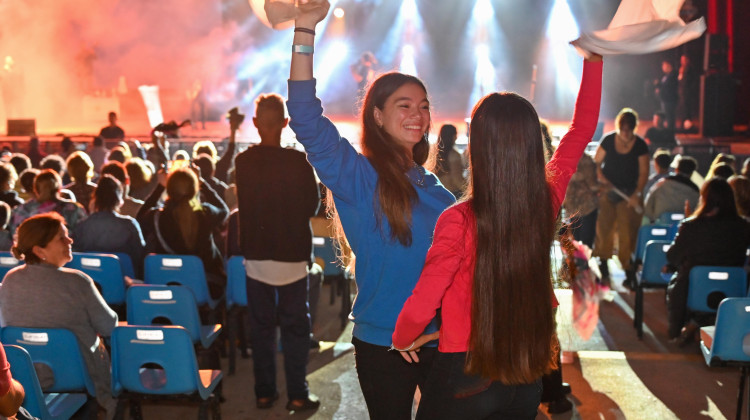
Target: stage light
{"type": "Point", "coordinates": [332, 56]}
{"type": "Point", "coordinates": [408, 65]}
{"type": "Point", "coordinates": [561, 62]}
{"type": "Point", "coordinates": [484, 32]}
{"type": "Point", "coordinates": [338, 12]}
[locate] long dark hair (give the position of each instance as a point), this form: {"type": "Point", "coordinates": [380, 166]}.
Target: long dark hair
{"type": "Point", "coordinates": [396, 195]}
{"type": "Point", "coordinates": [717, 200]}
{"type": "Point", "coordinates": [512, 325]}
{"type": "Point", "coordinates": [446, 141]}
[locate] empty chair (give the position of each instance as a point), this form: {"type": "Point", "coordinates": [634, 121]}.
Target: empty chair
{"type": "Point", "coordinates": [655, 232]}
{"type": "Point", "coordinates": [185, 270]}
{"type": "Point", "coordinates": [126, 263]}
{"type": "Point", "coordinates": [107, 273]}
{"type": "Point", "coordinates": [725, 343]}
{"type": "Point", "coordinates": [7, 262]}
{"type": "Point", "coordinates": [160, 361]}
{"type": "Point", "coordinates": [52, 406]}
{"type": "Point", "coordinates": [149, 304]}
{"type": "Point", "coordinates": [655, 257]}
{"type": "Point", "coordinates": [58, 349]}
{"type": "Point", "coordinates": [236, 307]}
{"type": "Point", "coordinates": [668, 218]}
{"type": "Point", "coordinates": [710, 285]}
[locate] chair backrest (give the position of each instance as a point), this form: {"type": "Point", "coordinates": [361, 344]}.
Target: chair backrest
{"type": "Point", "coordinates": [169, 347]}
{"type": "Point", "coordinates": [7, 262]}
{"type": "Point", "coordinates": [149, 304]}
{"type": "Point", "coordinates": [709, 285]}
{"type": "Point", "coordinates": [57, 348]}
{"type": "Point", "coordinates": [22, 370]}
{"type": "Point", "coordinates": [184, 270]}
{"type": "Point", "coordinates": [731, 341]}
{"type": "Point", "coordinates": [105, 270]}
{"type": "Point", "coordinates": [668, 218]}
{"type": "Point", "coordinates": [655, 232]}
{"type": "Point", "coordinates": [126, 263]}
{"type": "Point", "coordinates": [654, 258]}
{"type": "Point", "coordinates": [324, 249]}
{"type": "Point", "coordinates": [236, 282]}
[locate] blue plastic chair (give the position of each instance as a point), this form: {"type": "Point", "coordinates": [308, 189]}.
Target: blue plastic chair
{"type": "Point", "coordinates": [655, 257]}
{"type": "Point", "coordinates": [147, 303]}
{"type": "Point", "coordinates": [127, 264]}
{"type": "Point", "coordinates": [7, 263]}
{"type": "Point", "coordinates": [668, 218]}
{"type": "Point", "coordinates": [106, 271]}
{"type": "Point", "coordinates": [52, 406]}
{"type": "Point", "coordinates": [236, 307]}
{"type": "Point", "coordinates": [184, 270]}
{"type": "Point", "coordinates": [730, 342]}
{"type": "Point", "coordinates": [58, 349]}
{"type": "Point", "coordinates": [655, 232]}
{"type": "Point", "coordinates": [161, 361]}
{"type": "Point", "coordinates": [709, 285]}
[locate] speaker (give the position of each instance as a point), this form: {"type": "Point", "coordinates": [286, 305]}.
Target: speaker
{"type": "Point", "coordinates": [717, 104]}
{"type": "Point", "coordinates": [21, 127]}
{"type": "Point", "coordinates": [716, 53]}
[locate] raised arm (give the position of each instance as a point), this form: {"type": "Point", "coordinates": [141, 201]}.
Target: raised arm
{"type": "Point", "coordinates": [310, 14]}
{"type": "Point", "coordinates": [565, 160]}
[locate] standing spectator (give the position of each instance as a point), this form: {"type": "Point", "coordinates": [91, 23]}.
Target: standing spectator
{"type": "Point", "coordinates": [687, 93]}
{"type": "Point", "coordinates": [671, 193]}
{"type": "Point", "coordinates": [666, 91]}
{"type": "Point", "coordinates": [277, 195]}
{"type": "Point", "coordinates": [35, 152]}
{"type": "Point", "coordinates": [112, 131]}
{"type": "Point", "coordinates": [8, 178]}
{"type": "Point", "coordinates": [206, 165]}
{"type": "Point", "coordinates": [98, 153]}
{"type": "Point", "coordinates": [622, 163]}
{"type": "Point", "coordinates": [449, 167]}
{"type": "Point", "coordinates": [581, 201]}
{"type": "Point", "coordinates": [659, 135]}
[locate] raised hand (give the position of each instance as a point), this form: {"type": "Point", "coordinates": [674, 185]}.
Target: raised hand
{"type": "Point", "coordinates": [310, 12]}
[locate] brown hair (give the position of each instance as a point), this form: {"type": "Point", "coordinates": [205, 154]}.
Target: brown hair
{"type": "Point", "coordinates": [37, 230]}
{"type": "Point", "coordinates": [80, 167]}
{"type": "Point", "coordinates": [182, 193]}
{"type": "Point", "coordinates": [396, 195]}
{"type": "Point", "coordinates": [46, 185]}
{"type": "Point", "coordinates": [741, 186]}
{"type": "Point", "coordinates": [512, 323]}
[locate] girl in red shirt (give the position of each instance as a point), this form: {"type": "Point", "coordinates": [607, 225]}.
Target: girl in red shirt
{"type": "Point", "coordinates": [489, 265]}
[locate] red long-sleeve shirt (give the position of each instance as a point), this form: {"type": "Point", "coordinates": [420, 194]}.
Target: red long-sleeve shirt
{"type": "Point", "coordinates": [447, 277]}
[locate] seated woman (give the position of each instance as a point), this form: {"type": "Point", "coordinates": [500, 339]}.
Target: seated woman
{"type": "Point", "coordinates": [185, 225]}
{"type": "Point", "coordinates": [47, 198]}
{"type": "Point", "coordinates": [44, 294]}
{"type": "Point", "coordinates": [714, 235]}
{"type": "Point", "coordinates": [81, 170]}
{"type": "Point", "coordinates": [123, 234]}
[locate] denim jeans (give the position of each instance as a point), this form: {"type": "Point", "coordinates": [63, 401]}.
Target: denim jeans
{"type": "Point", "coordinates": [288, 305]}
{"type": "Point", "coordinates": [388, 382]}
{"type": "Point", "coordinates": [451, 394]}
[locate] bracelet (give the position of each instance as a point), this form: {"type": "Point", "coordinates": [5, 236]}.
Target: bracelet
{"type": "Point", "coordinates": [406, 349]}
{"type": "Point", "coordinates": [303, 49]}
{"type": "Point", "coordinates": [305, 31]}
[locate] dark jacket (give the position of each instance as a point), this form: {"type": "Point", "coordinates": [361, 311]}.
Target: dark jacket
{"type": "Point", "coordinates": [11, 198]}
{"type": "Point", "coordinates": [276, 195]}
{"type": "Point", "coordinates": [212, 215]}
{"type": "Point", "coordinates": [702, 241]}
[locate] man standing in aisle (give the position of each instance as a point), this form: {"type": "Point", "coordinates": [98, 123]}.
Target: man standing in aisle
{"type": "Point", "coordinates": [277, 195]}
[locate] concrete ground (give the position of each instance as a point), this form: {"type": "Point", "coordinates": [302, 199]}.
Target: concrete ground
{"type": "Point", "coordinates": [613, 375]}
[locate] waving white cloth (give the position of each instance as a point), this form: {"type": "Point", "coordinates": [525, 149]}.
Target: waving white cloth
{"type": "Point", "coordinates": [640, 27]}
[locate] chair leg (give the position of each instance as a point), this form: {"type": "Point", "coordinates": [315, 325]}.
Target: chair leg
{"type": "Point", "coordinates": [741, 392]}
{"type": "Point", "coordinates": [119, 410]}
{"type": "Point", "coordinates": [215, 408]}
{"type": "Point", "coordinates": [135, 410]}
{"type": "Point", "coordinates": [746, 379]}
{"type": "Point", "coordinates": [232, 327]}
{"type": "Point", "coordinates": [638, 317]}
{"type": "Point", "coordinates": [203, 410]}
{"type": "Point", "coordinates": [345, 300]}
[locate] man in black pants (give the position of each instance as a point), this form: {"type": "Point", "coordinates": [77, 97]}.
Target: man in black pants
{"type": "Point", "coordinates": [277, 195]}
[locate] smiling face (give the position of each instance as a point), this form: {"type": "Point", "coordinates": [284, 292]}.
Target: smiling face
{"type": "Point", "coordinates": [58, 251]}
{"type": "Point", "coordinates": [405, 115]}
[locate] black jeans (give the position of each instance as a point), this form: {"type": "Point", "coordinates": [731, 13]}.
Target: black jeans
{"type": "Point", "coordinates": [451, 394]}
{"type": "Point", "coordinates": [288, 304]}
{"type": "Point", "coordinates": [388, 382]}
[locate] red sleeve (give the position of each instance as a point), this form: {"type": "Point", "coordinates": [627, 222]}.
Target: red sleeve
{"type": "Point", "coordinates": [5, 378]}
{"type": "Point", "coordinates": [565, 160]}
{"type": "Point", "coordinates": [442, 263]}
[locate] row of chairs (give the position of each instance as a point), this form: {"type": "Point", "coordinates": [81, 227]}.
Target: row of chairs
{"type": "Point", "coordinates": [146, 360]}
